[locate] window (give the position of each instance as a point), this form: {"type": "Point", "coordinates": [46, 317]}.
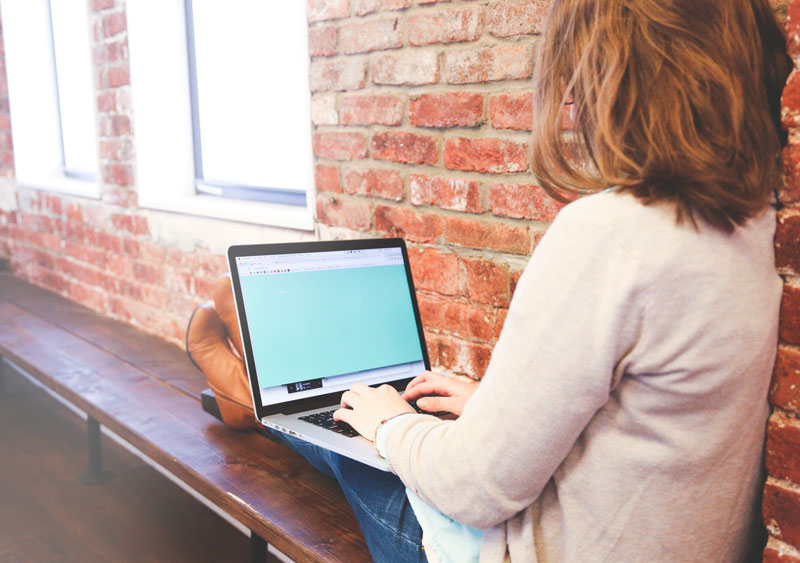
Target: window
{"type": "Point", "coordinates": [248, 65]}
{"type": "Point", "coordinates": [48, 57]}
{"type": "Point", "coordinates": [221, 108]}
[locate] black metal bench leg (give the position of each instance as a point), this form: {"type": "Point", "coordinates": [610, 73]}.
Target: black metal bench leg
{"type": "Point", "coordinates": [258, 548]}
{"type": "Point", "coordinates": [96, 474]}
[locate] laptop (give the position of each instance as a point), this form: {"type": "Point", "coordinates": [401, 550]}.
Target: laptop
{"type": "Point", "coordinates": [317, 317]}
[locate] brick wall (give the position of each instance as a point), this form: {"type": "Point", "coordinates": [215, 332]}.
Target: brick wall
{"type": "Point", "coordinates": [782, 492]}
{"type": "Point", "coordinates": [421, 114]}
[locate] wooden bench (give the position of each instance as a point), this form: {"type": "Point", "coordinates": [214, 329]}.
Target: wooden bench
{"type": "Point", "coordinates": [146, 391]}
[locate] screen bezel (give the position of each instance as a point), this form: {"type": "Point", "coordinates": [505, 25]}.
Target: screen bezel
{"type": "Point", "coordinates": [328, 399]}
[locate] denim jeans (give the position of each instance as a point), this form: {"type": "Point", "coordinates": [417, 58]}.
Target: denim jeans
{"type": "Point", "coordinates": [378, 499]}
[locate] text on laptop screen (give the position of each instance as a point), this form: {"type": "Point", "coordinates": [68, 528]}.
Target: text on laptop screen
{"type": "Point", "coordinates": [320, 321]}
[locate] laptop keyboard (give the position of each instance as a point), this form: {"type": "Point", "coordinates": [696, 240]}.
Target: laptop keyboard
{"type": "Point", "coordinates": [325, 420]}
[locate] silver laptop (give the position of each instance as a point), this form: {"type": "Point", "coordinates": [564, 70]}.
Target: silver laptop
{"type": "Point", "coordinates": [317, 317]}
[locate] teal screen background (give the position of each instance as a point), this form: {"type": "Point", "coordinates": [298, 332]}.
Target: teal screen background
{"type": "Point", "coordinates": [309, 325]}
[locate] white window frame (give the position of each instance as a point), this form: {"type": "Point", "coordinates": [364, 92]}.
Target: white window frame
{"type": "Point", "coordinates": [162, 125]}
{"type": "Point", "coordinates": [33, 99]}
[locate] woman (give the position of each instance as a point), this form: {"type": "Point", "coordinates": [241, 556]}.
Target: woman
{"type": "Point", "coordinates": [622, 416]}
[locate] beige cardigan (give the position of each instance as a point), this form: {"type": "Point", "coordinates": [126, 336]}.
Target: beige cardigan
{"type": "Point", "coordinates": [622, 416]}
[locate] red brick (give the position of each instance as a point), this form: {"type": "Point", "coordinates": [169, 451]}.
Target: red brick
{"type": "Point", "coordinates": [107, 101]}
{"type": "Point", "coordinates": [523, 202]}
{"type": "Point", "coordinates": [479, 357]}
{"type": "Point", "coordinates": [5, 122]}
{"type": "Point", "coordinates": [515, 276]}
{"type": "Point", "coordinates": [130, 247]}
{"type": "Point", "coordinates": [432, 343]}
{"type": "Point", "coordinates": [319, 10]}
{"type": "Point", "coordinates": [322, 41]}
{"type": "Point", "coordinates": [53, 204]}
{"type": "Point", "coordinates": [118, 174]}
{"type": "Point", "coordinates": [781, 510]}
{"type": "Point", "coordinates": [106, 53]}
{"type": "Point", "coordinates": [502, 314]}
{"type": "Point", "coordinates": [445, 26]}
{"type": "Point", "coordinates": [400, 146]}
{"type": "Point", "coordinates": [465, 358]}
{"type": "Point", "coordinates": [339, 145]}
{"type": "Point", "coordinates": [402, 4]}
{"type": "Point", "coordinates": [106, 241]}
{"type": "Point", "coordinates": [487, 282]}
{"type": "Point", "coordinates": [485, 155]}
{"type": "Point", "coordinates": [204, 287]}
{"type": "Point", "coordinates": [118, 150]}
{"type": "Point", "coordinates": [793, 28]}
{"type": "Point", "coordinates": [146, 272]}
{"type": "Point", "coordinates": [118, 76]}
{"type": "Point", "coordinates": [327, 178]}
{"type": "Point", "coordinates": [791, 101]}
{"type": "Point", "coordinates": [91, 256]}
{"type": "Point", "coordinates": [484, 235]}
{"type": "Point", "coordinates": [451, 193]}
{"type": "Point", "coordinates": [140, 226]}
{"type": "Point", "coordinates": [459, 319]}
{"type": "Point", "coordinates": [338, 75]}
{"type": "Point", "coordinates": [780, 552]}
{"type": "Point", "coordinates": [115, 126]}
{"type": "Point", "coordinates": [323, 109]}
{"type": "Point", "coordinates": [87, 296]}
{"type": "Point", "coordinates": [516, 17]}
{"type": "Point", "coordinates": [789, 325]}
{"type": "Point", "coordinates": [789, 191]}
{"type": "Point", "coordinates": [114, 24]}
{"type": "Point", "coordinates": [405, 67]}
{"type": "Point", "coordinates": [98, 5]}
{"type": "Point", "coordinates": [339, 212]}
{"type": "Point", "coordinates": [374, 182]}
{"type": "Point", "coordinates": [49, 279]}
{"type": "Point", "coordinates": [6, 141]}
{"type": "Point", "coordinates": [364, 7]}
{"type": "Point", "coordinates": [371, 35]}
{"type": "Point", "coordinates": [446, 352]}
{"type": "Point", "coordinates": [371, 110]}
{"type": "Point", "coordinates": [783, 448]}
{"type": "Point", "coordinates": [122, 222]}
{"type": "Point", "coordinates": [486, 64]}
{"type": "Point", "coordinates": [512, 111]}
{"type": "Point", "coordinates": [446, 109]}
{"type": "Point", "coordinates": [407, 224]}
{"type": "Point", "coordinates": [785, 389]}
{"type": "Point", "coordinates": [434, 271]}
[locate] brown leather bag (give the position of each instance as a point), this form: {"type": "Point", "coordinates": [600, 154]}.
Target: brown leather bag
{"type": "Point", "coordinates": [214, 344]}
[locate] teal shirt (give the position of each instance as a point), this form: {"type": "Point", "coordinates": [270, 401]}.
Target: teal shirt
{"type": "Point", "coordinates": [450, 541]}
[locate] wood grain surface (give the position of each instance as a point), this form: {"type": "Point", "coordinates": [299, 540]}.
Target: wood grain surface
{"type": "Point", "coordinates": [146, 391]}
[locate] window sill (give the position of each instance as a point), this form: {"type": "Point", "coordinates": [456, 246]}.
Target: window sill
{"type": "Point", "coordinates": [63, 185]}
{"type": "Point", "coordinates": [260, 213]}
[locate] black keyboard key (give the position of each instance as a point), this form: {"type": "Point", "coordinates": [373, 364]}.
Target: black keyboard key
{"type": "Point", "coordinates": [325, 420]}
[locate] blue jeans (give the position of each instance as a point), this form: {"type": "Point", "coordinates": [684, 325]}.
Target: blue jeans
{"type": "Point", "coordinates": [378, 499]}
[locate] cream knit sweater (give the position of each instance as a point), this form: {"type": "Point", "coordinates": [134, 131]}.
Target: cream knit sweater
{"type": "Point", "coordinates": [622, 416]}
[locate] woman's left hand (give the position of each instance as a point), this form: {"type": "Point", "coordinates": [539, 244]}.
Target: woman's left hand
{"type": "Point", "coordinates": [364, 407]}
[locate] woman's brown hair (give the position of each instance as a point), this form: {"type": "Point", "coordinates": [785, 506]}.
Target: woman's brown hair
{"type": "Point", "coordinates": [674, 100]}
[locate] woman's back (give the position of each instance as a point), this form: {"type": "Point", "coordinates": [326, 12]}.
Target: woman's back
{"type": "Point", "coordinates": [683, 429]}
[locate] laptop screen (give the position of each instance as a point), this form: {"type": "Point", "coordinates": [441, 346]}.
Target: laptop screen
{"type": "Point", "coordinates": [321, 321]}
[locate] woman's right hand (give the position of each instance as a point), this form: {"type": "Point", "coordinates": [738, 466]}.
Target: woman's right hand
{"type": "Point", "coordinates": [451, 394]}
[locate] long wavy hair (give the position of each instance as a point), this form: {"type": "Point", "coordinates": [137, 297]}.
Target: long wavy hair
{"type": "Point", "coordinates": [675, 101]}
